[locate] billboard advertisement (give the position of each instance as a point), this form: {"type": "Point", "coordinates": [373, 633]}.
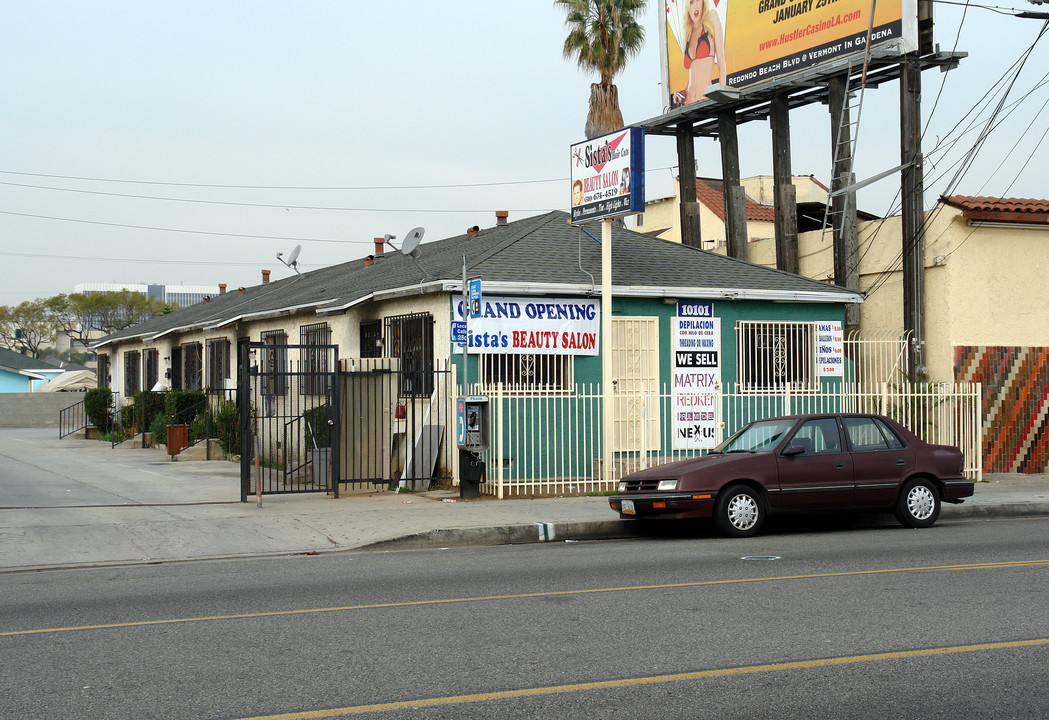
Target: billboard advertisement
{"type": "Point", "coordinates": [739, 43]}
{"type": "Point", "coordinates": [608, 175]}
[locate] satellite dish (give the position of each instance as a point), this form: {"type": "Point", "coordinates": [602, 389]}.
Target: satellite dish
{"type": "Point", "coordinates": [412, 241]}
{"type": "Point", "coordinates": [294, 255]}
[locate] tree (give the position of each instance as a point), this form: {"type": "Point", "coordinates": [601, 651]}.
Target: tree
{"type": "Point", "coordinates": [25, 327]}
{"type": "Point", "coordinates": [603, 35]}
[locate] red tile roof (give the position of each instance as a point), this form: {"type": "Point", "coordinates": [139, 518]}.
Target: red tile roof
{"type": "Point", "coordinates": [711, 193]}
{"type": "Point", "coordinates": [1019, 210]}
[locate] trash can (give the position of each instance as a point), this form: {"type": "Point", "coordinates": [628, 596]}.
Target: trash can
{"type": "Point", "coordinates": [471, 474]}
{"type": "Point", "coordinates": [320, 462]}
{"type": "Point", "coordinates": [178, 438]}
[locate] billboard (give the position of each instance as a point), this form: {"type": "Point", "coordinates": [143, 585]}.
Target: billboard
{"type": "Point", "coordinates": [740, 43]}
{"type": "Point", "coordinates": [608, 175]}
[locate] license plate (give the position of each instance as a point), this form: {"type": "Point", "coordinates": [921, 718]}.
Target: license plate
{"type": "Point", "coordinates": [628, 508]}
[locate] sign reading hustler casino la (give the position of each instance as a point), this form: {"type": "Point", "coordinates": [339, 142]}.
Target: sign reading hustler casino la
{"type": "Point", "coordinates": [608, 175]}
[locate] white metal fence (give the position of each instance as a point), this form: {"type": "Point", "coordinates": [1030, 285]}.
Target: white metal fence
{"type": "Point", "coordinates": [551, 444]}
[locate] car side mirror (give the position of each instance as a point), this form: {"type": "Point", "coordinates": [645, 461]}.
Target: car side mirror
{"type": "Point", "coordinates": [792, 450]}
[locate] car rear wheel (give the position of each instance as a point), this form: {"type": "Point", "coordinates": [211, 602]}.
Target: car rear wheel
{"type": "Point", "coordinates": [918, 505]}
{"type": "Point", "coordinates": [739, 511]}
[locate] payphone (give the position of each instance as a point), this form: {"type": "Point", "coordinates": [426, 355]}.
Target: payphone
{"type": "Point", "coordinates": [471, 423]}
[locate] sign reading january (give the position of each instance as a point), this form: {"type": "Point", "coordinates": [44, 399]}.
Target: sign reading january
{"type": "Point", "coordinates": [534, 326]}
{"type": "Point", "coordinates": [744, 42]}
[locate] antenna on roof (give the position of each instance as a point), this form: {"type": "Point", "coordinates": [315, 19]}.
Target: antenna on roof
{"type": "Point", "coordinates": [293, 259]}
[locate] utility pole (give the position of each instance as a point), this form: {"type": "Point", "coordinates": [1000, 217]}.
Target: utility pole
{"type": "Point", "coordinates": [912, 216]}
{"type": "Point", "coordinates": [843, 203]}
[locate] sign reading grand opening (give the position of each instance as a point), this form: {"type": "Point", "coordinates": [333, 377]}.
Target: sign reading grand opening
{"type": "Point", "coordinates": [608, 175]}
{"type": "Point", "coordinates": [534, 326]}
{"type": "Point", "coordinates": [745, 43]}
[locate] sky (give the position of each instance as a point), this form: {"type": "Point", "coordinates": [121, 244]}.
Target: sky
{"type": "Point", "coordinates": [190, 142]}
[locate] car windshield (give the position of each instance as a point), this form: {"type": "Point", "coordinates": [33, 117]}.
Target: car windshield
{"type": "Point", "coordinates": [760, 436]}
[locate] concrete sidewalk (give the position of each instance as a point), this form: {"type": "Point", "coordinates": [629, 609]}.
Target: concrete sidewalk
{"type": "Point", "coordinates": [80, 503]}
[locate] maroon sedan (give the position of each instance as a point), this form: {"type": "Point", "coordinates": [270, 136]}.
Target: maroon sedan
{"type": "Point", "coordinates": [802, 463]}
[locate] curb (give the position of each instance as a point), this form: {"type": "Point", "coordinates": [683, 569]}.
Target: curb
{"type": "Point", "coordinates": [533, 533]}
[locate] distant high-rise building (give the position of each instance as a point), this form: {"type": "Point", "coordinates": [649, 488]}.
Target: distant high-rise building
{"type": "Point", "coordinates": [181, 295]}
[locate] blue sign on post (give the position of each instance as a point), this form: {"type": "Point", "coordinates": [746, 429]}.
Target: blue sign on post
{"type": "Point", "coordinates": [458, 331]}
{"type": "Point", "coordinates": [475, 298]}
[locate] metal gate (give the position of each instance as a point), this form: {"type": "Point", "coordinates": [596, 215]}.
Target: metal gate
{"type": "Point", "coordinates": [289, 434]}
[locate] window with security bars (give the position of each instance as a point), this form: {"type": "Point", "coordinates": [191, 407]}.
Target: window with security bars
{"type": "Point", "coordinates": [371, 339]}
{"type": "Point", "coordinates": [273, 363]}
{"type": "Point", "coordinates": [410, 339]}
{"type": "Point", "coordinates": [192, 366]}
{"type": "Point", "coordinates": [150, 368]}
{"type": "Point", "coordinates": [525, 374]}
{"type": "Point", "coordinates": [774, 356]}
{"type": "Point", "coordinates": [218, 363]}
{"type": "Point", "coordinates": [132, 378]}
{"type": "Point", "coordinates": [313, 359]}
{"type": "Point", "coordinates": [103, 370]}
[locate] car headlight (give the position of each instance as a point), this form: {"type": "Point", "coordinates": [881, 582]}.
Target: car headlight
{"type": "Point", "coordinates": [622, 486]}
{"type": "Point", "coordinates": [667, 485]}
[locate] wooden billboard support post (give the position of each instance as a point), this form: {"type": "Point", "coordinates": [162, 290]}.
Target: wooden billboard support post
{"type": "Point", "coordinates": [689, 207]}
{"type": "Point", "coordinates": [785, 195]}
{"type": "Point", "coordinates": [843, 203]}
{"type": "Point", "coordinates": [734, 197]}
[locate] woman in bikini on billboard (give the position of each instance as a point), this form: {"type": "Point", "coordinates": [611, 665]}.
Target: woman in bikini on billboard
{"type": "Point", "coordinates": [704, 44]}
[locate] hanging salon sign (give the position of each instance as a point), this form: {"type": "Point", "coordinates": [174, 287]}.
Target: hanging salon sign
{"type": "Point", "coordinates": [533, 326]}
{"type": "Point", "coordinates": [697, 372]}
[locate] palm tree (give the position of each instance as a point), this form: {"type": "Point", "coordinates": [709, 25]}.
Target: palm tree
{"type": "Point", "coordinates": [603, 35]}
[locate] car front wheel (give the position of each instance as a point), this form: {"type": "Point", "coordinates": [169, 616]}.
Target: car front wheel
{"type": "Point", "coordinates": [918, 505]}
{"type": "Point", "coordinates": [739, 511]}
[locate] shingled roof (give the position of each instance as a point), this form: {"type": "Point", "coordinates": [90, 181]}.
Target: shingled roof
{"type": "Point", "coordinates": [542, 254]}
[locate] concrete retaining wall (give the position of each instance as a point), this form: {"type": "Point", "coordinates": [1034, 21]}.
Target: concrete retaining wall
{"type": "Point", "coordinates": [35, 410]}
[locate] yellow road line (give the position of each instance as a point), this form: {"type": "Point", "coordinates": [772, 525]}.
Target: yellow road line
{"type": "Point", "coordinates": [553, 593]}
{"type": "Point", "coordinates": [650, 680]}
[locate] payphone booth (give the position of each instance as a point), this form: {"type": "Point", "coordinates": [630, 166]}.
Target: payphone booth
{"type": "Point", "coordinates": [471, 422]}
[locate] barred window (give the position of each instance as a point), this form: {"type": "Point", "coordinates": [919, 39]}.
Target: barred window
{"type": "Point", "coordinates": [410, 339]}
{"type": "Point", "coordinates": [218, 363]}
{"type": "Point", "coordinates": [151, 368]}
{"type": "Point", "coordinates": [371, 339]}
{"type": "Point", "coordinates": [314, 358]}
{"type": "Point", "coordinates": [527, 373]}
{"type": "Point", "coordinates": [273, 370]}
{"type": "Point", "coordinates": [776, 356]}
{"type": "Point", "coordinates": [103, 370]}
{"type": "Point", "coordinates": [192, 366]}
{"type": "Point", "coordinates": [131, 373]}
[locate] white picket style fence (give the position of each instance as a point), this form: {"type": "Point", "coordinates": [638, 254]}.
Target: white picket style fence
{"type": "Point", "coordinates": [551, 444]}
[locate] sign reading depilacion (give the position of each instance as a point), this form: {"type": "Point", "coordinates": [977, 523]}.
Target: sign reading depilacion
{"type": "Point", "coordinates": [608, 175]}
{"type": "Point", "coordinates": [534, 326]}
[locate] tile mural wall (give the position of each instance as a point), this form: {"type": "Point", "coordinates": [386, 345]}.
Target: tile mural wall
{"type": "Point", "coordinates": [1015, 404]}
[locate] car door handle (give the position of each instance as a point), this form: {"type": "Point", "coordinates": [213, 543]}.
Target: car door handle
{"type": "Point", "coordinates": [839, 466]}
{"type": "Point", "coordinates": [901, 461]}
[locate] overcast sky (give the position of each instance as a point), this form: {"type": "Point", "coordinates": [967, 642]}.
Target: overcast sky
{"type": "Point", "coordinates": [127, 125]}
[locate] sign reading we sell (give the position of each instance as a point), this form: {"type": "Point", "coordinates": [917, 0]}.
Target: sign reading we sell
{"type": "Point", "coordinates": [608, 175]}
{"type": "Point", "coordinates": [697, 372]}
{"type": "Point", "coordinates": [534, 326]}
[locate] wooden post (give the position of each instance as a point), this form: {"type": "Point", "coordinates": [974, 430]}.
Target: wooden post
{"type": "Point", "coordinates": [689, 208]}
{"type": "Point", "coordinates": [734, 197]}
{"type": "Point", "coordinates": [843, 207]}
{"type": "Point", "coordinates": [912, 183]}
{"type": "Point", "coordinates": [785, 194]}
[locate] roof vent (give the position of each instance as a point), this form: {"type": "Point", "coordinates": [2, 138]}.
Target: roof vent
{"type": "Point", "coordinates": [380, 247]}
{"type": "Point", "coordinates": [265, 276]}
{"type": "Point", "coordinates": [500, 217]}
{"type": "Point", "coordinates": [471, 233]}
{"type": "Point", "coordinates": [222, 288]}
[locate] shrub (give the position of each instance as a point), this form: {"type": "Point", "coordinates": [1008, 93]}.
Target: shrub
{"type": "Point", "coordinates": [226, 420]}
{"type": "Point", "coordinates": [159, 428]}
{"type": "Point", "coordinates": [318, 431]}
{"type": "Point", "coordinates": [98, 404]}
{"type": "Point", "coordinates": [183, 406]}
{"type": "Point", "coordinates": [144, 407]}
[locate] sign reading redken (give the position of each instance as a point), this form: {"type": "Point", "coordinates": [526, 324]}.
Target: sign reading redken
{"type": "Point", "coordinates": [608, 175]}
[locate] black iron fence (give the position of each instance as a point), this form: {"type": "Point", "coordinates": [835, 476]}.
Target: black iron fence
{"type": "Point", "coordinates": [72, 419]}
{"type": "Point", "coordinates": [310, 423]}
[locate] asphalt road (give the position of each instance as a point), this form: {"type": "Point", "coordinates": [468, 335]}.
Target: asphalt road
{"type": "Point", "coordinates": [854, 621]}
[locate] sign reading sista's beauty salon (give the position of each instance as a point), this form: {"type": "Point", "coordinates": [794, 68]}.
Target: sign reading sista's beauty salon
{"type": "Point", "coordinates": [534, 326]}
